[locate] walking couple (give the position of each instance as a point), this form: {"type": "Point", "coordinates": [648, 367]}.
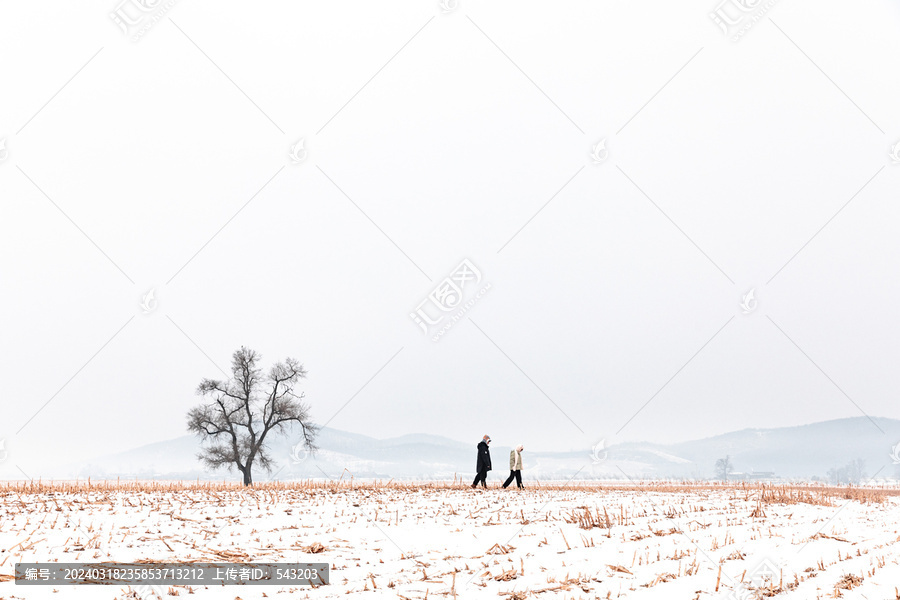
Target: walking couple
{"type": "Point", "coordinates": [484, 464]}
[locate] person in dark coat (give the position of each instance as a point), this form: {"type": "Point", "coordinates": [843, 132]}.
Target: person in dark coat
{"type": "Point", "coordinates": [484, 462]}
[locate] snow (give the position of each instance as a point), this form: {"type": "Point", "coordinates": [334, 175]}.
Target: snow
{"type": "Point", "coordinates": [409, 540]}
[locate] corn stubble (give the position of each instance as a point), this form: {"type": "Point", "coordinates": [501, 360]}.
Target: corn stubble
{"type": "Point", "coordinates": [555, 539]}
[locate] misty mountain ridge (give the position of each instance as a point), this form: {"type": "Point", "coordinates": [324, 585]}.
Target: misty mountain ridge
{"type": "Point", "coordinates": [798, 452]}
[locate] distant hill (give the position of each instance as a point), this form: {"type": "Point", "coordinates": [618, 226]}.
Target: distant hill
{"type": "Point", "coordinates": [789, 452]}
{"type": "Point", "coordinates": [804, 450]}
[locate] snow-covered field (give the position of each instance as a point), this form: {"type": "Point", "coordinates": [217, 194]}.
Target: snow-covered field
{"type": "Point", "coordinates": [413, 541]}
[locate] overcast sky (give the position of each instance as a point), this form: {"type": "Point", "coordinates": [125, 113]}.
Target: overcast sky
{"type": "Point", "coordinates": [164, 157]}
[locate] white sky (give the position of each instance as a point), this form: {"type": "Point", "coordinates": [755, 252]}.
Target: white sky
{"type": "Point", "coordinates": [448, 148]}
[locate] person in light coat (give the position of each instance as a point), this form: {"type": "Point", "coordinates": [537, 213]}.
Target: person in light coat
{"type": "Point", "coordinates": [515, 467]}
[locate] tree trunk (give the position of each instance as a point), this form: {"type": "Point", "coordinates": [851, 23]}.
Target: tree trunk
{"type": "Point", "coordinates": [248, 472]}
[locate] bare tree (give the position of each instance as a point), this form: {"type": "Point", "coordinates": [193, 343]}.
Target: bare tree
{"type": "Point", "coordinates": [856, 470]}
{"type": "Point", "coordinates": [723, 468]}
{"type": "Point", "coordinates": [851, 473]}
{"type": "Point", "coordinates": [239, 413]}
